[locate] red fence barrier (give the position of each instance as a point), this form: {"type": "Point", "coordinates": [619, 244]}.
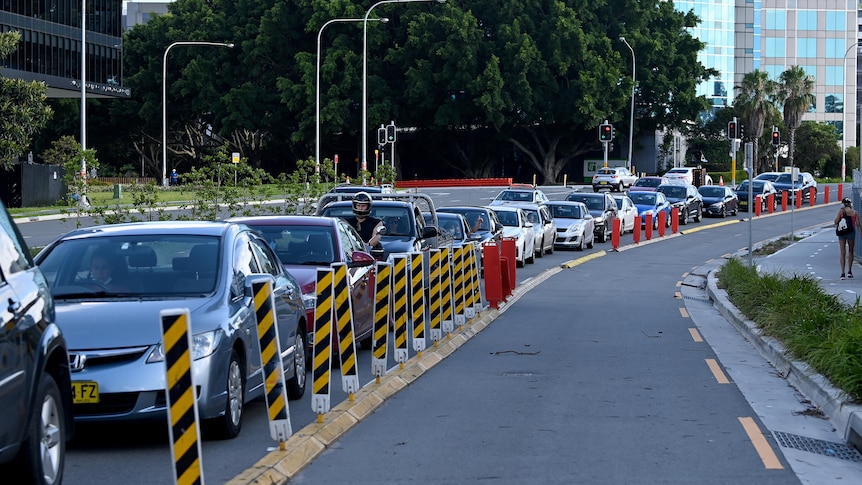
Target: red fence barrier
{"type": "Point", "coordinates": [484, 182]}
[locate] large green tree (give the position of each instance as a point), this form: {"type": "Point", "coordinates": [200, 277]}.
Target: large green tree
{"type": "Point", "coordinates": [818, 150]}
{"type": "Point", "coordinates": [23, 108]}
{"type": "Point", "coordinates": [796, 94]}
{"type": "Point", "coordinates": [754, 100]}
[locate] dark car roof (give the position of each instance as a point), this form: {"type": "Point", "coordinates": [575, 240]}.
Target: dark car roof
{"type": "Point", "coordinates": [284, 220]}
{"type": "Point", "coordinates": [204, 228]}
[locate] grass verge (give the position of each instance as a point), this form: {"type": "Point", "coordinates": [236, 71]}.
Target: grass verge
{"type": "Point", "coordinates": [814, 326]}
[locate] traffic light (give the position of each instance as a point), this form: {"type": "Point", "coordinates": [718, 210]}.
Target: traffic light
{"type": "Point", "coordinates": [381, 136]}
{"type": "Point", "coordinates": [606, 132]}
{"type": "Point", "coordinates": [390, 134]}
{"type": "Point", "coordinates": [776, 138]}
{"type": "Point", "coordinates": [732, 130]}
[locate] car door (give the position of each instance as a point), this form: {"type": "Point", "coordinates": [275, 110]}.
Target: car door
{"type": "Point", "coordinates": [547, 225]}
{"type": "Point", "coordinates": [361, 280]}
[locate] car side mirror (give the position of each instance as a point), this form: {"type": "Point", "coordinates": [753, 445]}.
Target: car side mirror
{"type": "Point", "coordinates": [361, 258]}
{"type": "Point", "coordinates": [429, 231]}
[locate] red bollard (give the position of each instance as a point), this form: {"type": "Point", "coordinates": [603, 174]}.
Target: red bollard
{"type": "Point", "coordinates": [615, 235]}
{"type": "Point", "coordinates": [797, 199]}
{"type": "Point", "coordinates": [757, 205]}
{"type": "Point", "coordinates": [840, 192]}
{"type": "Point", "coordinates": [511, 254]}
{"type": "Point", "coordinates": [826, 194]}
{"type": "Point", "coordinates": [674, 220]}
{"type": "Point", "coordinates": [648, 233]}
{"type": "Point", "coordinates": [812, 196]}
{"type": "Point", "coordinates": [493, 276]}
{"type": "Point", "coordinates": [636, 234]}
{"type": "Point", "coordinates": [770, 202]}
{"type": "Point", "coordinates": [505, 282]}
{"type": "Point", "coordinates": [662, 223]}
{"type": "Point", "coordinates": [783, 201]}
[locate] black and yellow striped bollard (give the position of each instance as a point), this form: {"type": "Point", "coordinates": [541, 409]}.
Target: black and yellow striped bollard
{"type": "Point", "coordinates": [434, 303]}
{"type": "Point", "coordinates": [460, 287]}
{"type": "Point", "coordinates": [322, 349]}
{"type": "Point", "coordinates": [400, 279]}
{"type": "Point", "coordinates": [417, 298]}
{"type": "Point", "coordinates": [380, 337]}
{"type": "Point", "coordinates": [346, 337]}
{"type": "Point", "coordinates": [446, 304]}
{"type": "Point", "coordinates": [182, 404]}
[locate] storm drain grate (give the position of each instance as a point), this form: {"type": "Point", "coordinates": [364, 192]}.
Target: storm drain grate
{"type": "Point", "coordinates": [811, 445]}
{"type": "Point", "coordinates": [694, 298]}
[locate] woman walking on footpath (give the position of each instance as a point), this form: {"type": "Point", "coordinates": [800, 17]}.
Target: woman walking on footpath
{"type": "Point", "coordinates": [847, 221]}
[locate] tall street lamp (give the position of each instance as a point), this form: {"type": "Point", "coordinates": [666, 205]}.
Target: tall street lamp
{"type": "Point", "coordinates": [317, 88]}
{"type": "Point", "coordinates": [843, 111]}
{"type": "Point", "coordinates": [632, 117]}
{"type": "Point", "coordinates": [165, 99]}
{"type": "Point", "coordinates": [365, 72]}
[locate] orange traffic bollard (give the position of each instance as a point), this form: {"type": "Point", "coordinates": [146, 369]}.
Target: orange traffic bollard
{"type": "Point", "coordinates": [797, 199]}
{"type": "Point", "coordinates": [826, 194]}
{"type": "Point", "coordinates": [783, 201]}
{"type": "Point", "coordinates": [511, 254]}
{"type": "Point", "coordinates": [812, 196]}
{"type": "Point", "coordinates": [615, 235]}
{"type": "Point", "coordinates": [648, 233]}
{"type": "Point", "coordinates": [636, 234]}
{"type": "Point", "coordinates": [770, 203]}
{"type": "Point", "coordinates": [662, 223]}
{"type": "Point", "coordinates": [493, 275]}
{"type": "Point", "coordinates": [840, 192]}
{"type": "Point", "coordinates": [758, 205]}
{"type": "Point", "coordinates": [674, 220]}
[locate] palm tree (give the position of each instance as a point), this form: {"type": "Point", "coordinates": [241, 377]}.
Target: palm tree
{"type": "Point", "coordinates": [754, 101]}
{"type": "Point", "coordinates": [796, 92]}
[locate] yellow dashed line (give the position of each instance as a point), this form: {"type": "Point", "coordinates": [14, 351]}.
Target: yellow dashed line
{"type": "Point", "coordinates": [717, 372]}
{"type": "Point", "coordinates": [683, 312]}
{"type": "Point", "coordinates": [695, 335]}
{"type": "Point", "coordinates": [766, 453]}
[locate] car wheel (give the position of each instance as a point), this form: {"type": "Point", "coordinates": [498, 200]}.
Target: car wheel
{"type": "Point", "coordinates": [551, 249]}
{"type": "Point", "coordinates": [583, 243]}
{"type": "Point", "coordinates": [531, 259]}
{"type": "Point", "coordinates": [43, 454]}
{"type": "Point", "coordinates": [296, 384]}
{"type": "Point", "coordinates": [229, 424]}
{"type": "Point", "coordinates": [684, 217]}
{"type": "Point", "coordinates": [699, 216]}
{"type": "Point", "coordinates": [541, 252]}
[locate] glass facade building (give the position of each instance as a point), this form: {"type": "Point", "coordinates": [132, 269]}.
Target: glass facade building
{"type": "Point", "coordinates": [50, 47]}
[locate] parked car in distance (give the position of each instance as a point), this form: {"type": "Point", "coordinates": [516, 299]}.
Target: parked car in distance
{"type": "Point", "coordinates": [519, 193]}
{"type": "Point", "coordinates": [613, 178]}
{"type": "Point", "coordinates": [516, 225]}
{"type": "Point", "coordinates": [35, 384]}
{"type": "Point", "coordinates": [573, 224]}
{"type": "Point", "coordinates": [769, 176]}
{"type": "Point", "coordinates": [763, 188]}
{"type": "Point", "coordinates": [651, 203]}
{"type": "Point", "coordinates": [355, 189]}
{"type": "Point", "coordinates": [686, 174]}
{"type": "Point", "coordinates": [626, 212]}
{"type": "Point", "coordinates": [786, 183]}
{"type": "Point", "coordinates": [543, 227]}
{"type": "Point", "coordinates": [685, 198]}
{"type": "Point", "coordinates": [648, 184]}
{"type": "Point", "coordinates": [304, 244]}
{"type": "Point", "coordinates": [718, 200]}
{"type": "Point", "coordinates": [112, 324]}
{"type": "Point", "coordinates": [602, 206]}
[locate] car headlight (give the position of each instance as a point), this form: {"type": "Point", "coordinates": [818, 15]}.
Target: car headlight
{"type": "Point", "coordinates": [203, 345]}
{"type": "Point", "coordinates": [717, 205]}
{"type": "Point", "coordinates": [309, 300]}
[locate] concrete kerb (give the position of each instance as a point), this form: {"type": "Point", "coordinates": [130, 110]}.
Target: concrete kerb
{"type": "Point", "coordinates": [844, 414]}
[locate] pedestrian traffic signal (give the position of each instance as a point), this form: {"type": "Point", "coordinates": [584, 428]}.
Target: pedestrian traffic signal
{"type": "Point", "coordinates": [381, 136]}
{"type": "Point", "coordinates": [606, 132]}
{"type": "Point", "coordinates": [732, 130]}
{"type": "Point", "coordinates": [390, 134]}
{"type": "Point", "coordinates": [776, 138]}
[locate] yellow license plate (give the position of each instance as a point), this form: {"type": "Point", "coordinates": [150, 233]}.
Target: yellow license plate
{"type": "Point", "coordinates": [85, 392]}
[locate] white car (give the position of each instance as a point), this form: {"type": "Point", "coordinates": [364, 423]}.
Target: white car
{"type": "Point", "coordinates": [516, 225]}
{"type": "Point", "coordinates": [543, 227]}
{"type": "Point", "coordinates": [520, 194]}
{"type": "Point", "coordinates": [626, 212]}
{"type": "Point", "coordinates": [687, 174]}
{"type": "Point", "coordinates": [616, 179]}
{"type": "Point", "coordinates": [574, 225]}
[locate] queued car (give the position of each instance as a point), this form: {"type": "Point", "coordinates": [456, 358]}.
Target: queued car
{"type": "Point", "coordinates": [519, 194]}
{"type": "Point", "coordinates": [785, 183]}
{"type": "Point", "coordinates": [543, 227]}
{"type": "Point", "coordinates": [110, 284]}
{"type": "Point", "coordinates": [355, 189]}
{"type": "Point", "coordinates": [626, 212]}
{"type": "Point", "coordinates": [763, 188]}
{"type": "Point", "coordinates": [718, 200]}
{"type": "Point", "coordinates": [685, 198]}
{"type": "Point", "coordinates": [573, 224]}
{"type": "Point", "coordinates": [304, 244]}
{"type": "Point", "coordinates": [35, 384]}
{"type": "Point", "coordinates": [516, 225]}
{"type": "Point", "coordinates": [686, 174]}
{"type": "Point", "coordinates": [651, 203]}
{"type": "Point", "coordinates": [482, 220]}
{"type": "Point", "coordinates": [613, 178]}
{"type": "Point", "coordinates": [603, 207]}
{"type": "Point", "coordinates": [648, 184]}
{"type": "Point", "coordinates": [768, 176]}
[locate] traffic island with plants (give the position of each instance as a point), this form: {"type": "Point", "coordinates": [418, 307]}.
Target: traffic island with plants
{"type": "Point", "coordinates": [815, 327]}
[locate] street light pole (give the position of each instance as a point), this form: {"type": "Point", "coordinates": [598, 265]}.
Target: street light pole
{"type": "Point", "coordinates": [165, 99]}
{"type": "Point", "coordinates": [317, 88]}
{"type": "Point", "coordinates": [365, 71]}
{"type": "Point", "coordinates": [843, 112]}
{"type": "Point", "coordinates": [632, 117]}
{"type": "Point", "coordinates": [83, 91]}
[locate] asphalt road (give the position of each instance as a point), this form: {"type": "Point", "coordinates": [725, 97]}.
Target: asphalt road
{"type": "Point", "coordinates": [615, 387]}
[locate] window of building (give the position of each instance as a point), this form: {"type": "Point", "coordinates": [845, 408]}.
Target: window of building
{"type": "Point", "coordinates": [836, 21]}
{"type": "Point", "coordinates": [776, 19]}
{"type": "Point", "coordinates": [835, 48]}
{"type": "Point", "coordinates": [806, 20]}
{"type": "Point", "coordinates": [806, 47]}
{"type": "Point", "coordinates": [834, 103]}
{"type": "Point", "coordinates": [839, 126]}
{"type": "Point", "coordinates": [834, 76]}
{"type": "Point", "coordinates": [774, 47]}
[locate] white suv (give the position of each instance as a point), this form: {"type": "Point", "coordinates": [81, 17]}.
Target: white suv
{"type": "Point", "coordinates": [687, 174]}
{"type": "Point", "coordinates": [615, 178]}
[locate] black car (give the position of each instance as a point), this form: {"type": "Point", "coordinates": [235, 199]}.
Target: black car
{"type": "Point", "coordinates": [602, 207]}
{"type": "Point", "coordinates": [685, 198]}
{"type": "Point", "coordinates": [483, 221]}
{"type": "Point", "coordinates": [762, 188]}
{"type": "Point", "coordinates": [718, 200]}
{"type": "Point", "coordinates": [35, 384]}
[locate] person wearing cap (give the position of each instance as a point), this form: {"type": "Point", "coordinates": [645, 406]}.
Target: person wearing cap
{"type": "Point", "coordinates": [175, 177]}
{"type": "Point", "coordinates": [369, 228]}
{"type": "Point", "coordinates": [847, 241]}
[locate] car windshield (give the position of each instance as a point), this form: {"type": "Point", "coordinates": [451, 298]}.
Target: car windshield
{"type": "Point", "coordinates": [785, 179]}
{"type": "Point", "coordinates": [516, 196]}
{"type": "Point", "coordinates": [396, 219]}
{"type": "Point", "coordinates": [310, 245]}
{"type": "Point", "coordinates": [606, 171]}
{"type": "Point", "coordinates": [567, 211]}
{"type": "Point", "coordinates": [757, 186]}
{"type": "Point", "coordinates": [648, 182]}
{"type": "Point", "coordinates": [643, 198]}
{"type": "Point", "coordinates": [711, 191]}
{"type": "Point", "coordinates": [139, 265]}
{"type": "Point", "coordinates": [592, 203]}
{"type": "Point", "coordinates": [508, 218]}
{"type": "Point", "coordinates": [673, 192]}
{"type": "Point", "coordinates": [768, 176]}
